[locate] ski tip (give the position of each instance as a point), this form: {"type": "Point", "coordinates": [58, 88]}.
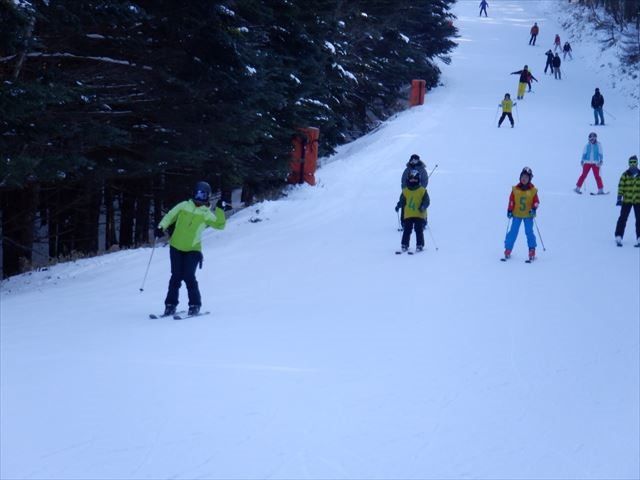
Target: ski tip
{"type": "Point", "coordinates": [153, 316]}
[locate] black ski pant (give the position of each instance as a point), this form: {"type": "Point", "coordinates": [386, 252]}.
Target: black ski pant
{"type": "Point", "coordinates": [417, 224]}
{"type": "Point", "coordinates": [548, 65]}
{"type": "Point", "coordinates": [502, 117]}
{"type": "Point", "coordinates": [532, 40]}
{"type": "Point", "coordinates": [625, 209]}
{"type": "Point", "coordinates": [183, 268]}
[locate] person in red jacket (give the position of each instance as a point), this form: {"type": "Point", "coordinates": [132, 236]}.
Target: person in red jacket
{"type": "Point", "coordinates": [534, 34]}
{"type": "Point", "coordinates": [523, 204]}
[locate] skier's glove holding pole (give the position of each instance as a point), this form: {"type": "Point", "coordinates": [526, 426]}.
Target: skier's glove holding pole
{"type": "Point", "coordinates": [159, 232]}
{"type": "Point", "coordinates": [532, 213]}
{"type": "Point", "coordinates": [619, 201]}
{"type": "Point", "coordinates": [509, 214]}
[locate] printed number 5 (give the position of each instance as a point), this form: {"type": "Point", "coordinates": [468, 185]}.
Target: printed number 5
{"type": "Point", "coordinates": [523, 204]}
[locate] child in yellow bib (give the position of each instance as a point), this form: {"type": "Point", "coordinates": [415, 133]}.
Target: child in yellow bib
{"type": "Point", "coordinates": [414, 201]}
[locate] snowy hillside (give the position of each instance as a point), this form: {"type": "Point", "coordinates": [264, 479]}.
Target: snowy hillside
{"type": "Point", "coordinates": [325, 355]}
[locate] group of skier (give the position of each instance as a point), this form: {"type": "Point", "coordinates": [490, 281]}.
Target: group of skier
{"type": "Point", "coordinates": [188, 219]}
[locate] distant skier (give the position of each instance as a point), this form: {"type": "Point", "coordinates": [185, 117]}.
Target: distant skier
{"type": "Point", "coordinates": [414, 201]}
{"type": "Point", "coordinates": [549, 63]}
{"type": "Point", "coordinates": [483, 7]}
{"type": "Point", "coordinates": [529, 78]}
{"type": "Point", "coordinates": [534, 33]}
{"type": "Point", "coordinates": [522, 207]}
{"type": "Point", "coordinates": [567, 51]}
{"type": "Point", "coordinates": [597, 103]}
{"type": "Point", "coordinates": [506, 105]}
{"type": "Point", "coordinates": [591, 159]}
{"type": "Point", "coordinates": [556, 43]}
{"type": "Point", "coordinates": [190, 218]}
{"type": "Point", "coordinates": [523, 82]}
{"type": "Point", "coordinates": [628, 199]}
{"type": "Point", "coordinates": [556, 67]}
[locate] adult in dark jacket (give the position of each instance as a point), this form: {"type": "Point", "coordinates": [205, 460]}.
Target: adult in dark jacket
{"type": "Point", "coordinates": [556, 67]}
{"type": "Point", "coordinates": [549, 63]}
{"type": "Point", "coordinates": [415, 163]}
{"type": "Point", "coordinates": [597, 103]}
{"type": "Point", "coordinates": [529, 78]}
{"type": "Point", "coordinates": [483, 7]}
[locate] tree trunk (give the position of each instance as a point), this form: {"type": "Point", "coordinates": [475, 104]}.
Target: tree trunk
{"type": "Point", "coordinates": [18, 213]}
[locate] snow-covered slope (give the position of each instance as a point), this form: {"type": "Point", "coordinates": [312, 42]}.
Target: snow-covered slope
{"type": "Point", "coordinates": [327, 356]}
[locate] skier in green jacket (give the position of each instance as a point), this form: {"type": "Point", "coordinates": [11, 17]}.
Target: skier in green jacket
{"type": "Point", "coordinates": [189, 218]}
{"type": "Point", "coordinates": [629, 198]}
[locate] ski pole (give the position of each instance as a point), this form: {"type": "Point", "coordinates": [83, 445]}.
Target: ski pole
{"type": "Point", "coordinates": [431, 235]}
{"type": "Point", "coordinates": [433, 170]}
{"type": "Point", "coordinates": [399, 222]}
{"type": "Point", "coordinates": [605, 111]}
{"type": "Point", "coordinates": [517, 113]}
{"type": "Point", "coordinates": [496, 115]}
{"type": "Point", "coordinates": [538, 230]}
{"type": "Point", "coordinates": [508, 223]}
{"type": "Point", "coordinates": [148, 265]}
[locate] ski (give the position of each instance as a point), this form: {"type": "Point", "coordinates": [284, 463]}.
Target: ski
{"type": "Point", "coordinates": [596, 193]}
{"type": "Point", "coordinates": [185, 316]}
{"type": "Point", "coordinates": [155, 316]}
{"type": "Point", "coordinates": [530, 260]}
{"type": "Point", "coordinates": [504, 259]}
{"type": "Point", "coordinates": [408, 252]}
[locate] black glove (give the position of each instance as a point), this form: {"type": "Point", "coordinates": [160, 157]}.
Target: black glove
{"type": "Point", "coordinates": [221, 204]}
{"type": "Point", "coordinates": [397, 208]}
{"type": "Point", "coordinates": [619, 201]}
{"type": "Point", "coordinates": [159, 232]}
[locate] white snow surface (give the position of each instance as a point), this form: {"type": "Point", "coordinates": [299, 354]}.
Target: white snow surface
{"type": "Point", "coordinates": [327, 356]}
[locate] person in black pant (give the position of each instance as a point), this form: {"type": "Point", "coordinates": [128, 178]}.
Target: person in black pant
{"type": "Point", "coordinates": [534, 33]}
{"type": "Point", "coordinates": [549, 63]}
{"type": "Point", "coordinates": [556, 67]}
{"type": "Point", "coordinates": [597, 103]}
{"type": "Point", "coordinates": [628, 199]}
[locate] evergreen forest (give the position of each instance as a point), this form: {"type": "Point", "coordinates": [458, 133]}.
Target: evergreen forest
{"type": "Point", "coordinates": [111, 110]}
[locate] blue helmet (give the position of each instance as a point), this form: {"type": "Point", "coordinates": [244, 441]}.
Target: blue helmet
{"type": "Point", "coordinates": [202, 192]}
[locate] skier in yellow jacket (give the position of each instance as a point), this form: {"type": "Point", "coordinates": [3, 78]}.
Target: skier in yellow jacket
{"type": "Point", "coordinates": [507, 107]}
{"type": "Point", "coordinates": [414, 201]}
{"type": "Point", "coordinates": [189, 218]}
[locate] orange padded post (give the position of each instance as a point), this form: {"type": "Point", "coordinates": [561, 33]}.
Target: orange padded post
{"type": "Point", "coordinates": [304, 156]}
{"type": "Point", "coordinates": [418, 90]}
